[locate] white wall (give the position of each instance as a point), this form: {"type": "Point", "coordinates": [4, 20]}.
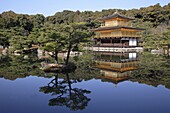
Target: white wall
{"type": "Point", "coordinates": [132, 42]}
{"type": "Point", "coordinates": [132, 55]}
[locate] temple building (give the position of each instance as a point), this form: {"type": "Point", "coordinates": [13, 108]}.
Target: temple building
{"type": "Point", "coordinates": [116, 33]}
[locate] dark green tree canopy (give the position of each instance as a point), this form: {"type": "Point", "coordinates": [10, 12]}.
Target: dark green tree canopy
{"type": "Point", "coordinates": [40, 30]}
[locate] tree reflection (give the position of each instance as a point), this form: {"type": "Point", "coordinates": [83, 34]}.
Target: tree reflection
{"type": "Point", "coordinates": [73, 98]}
{"type": "Point", "coordinates": [147, 68]}
{"type": "Point", "coordinates": [154, 70]}
{"type": "Point", "coordinates": [13, 67]}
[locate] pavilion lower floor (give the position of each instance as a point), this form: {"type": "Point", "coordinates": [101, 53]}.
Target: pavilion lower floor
{"type": "Point", "coordinates": [116, 42]}
{"type": "Point", "coordinates": [116, 49]}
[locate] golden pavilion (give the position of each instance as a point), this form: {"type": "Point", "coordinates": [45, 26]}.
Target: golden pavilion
{"type": "Point", "coordinates": [116, 32]}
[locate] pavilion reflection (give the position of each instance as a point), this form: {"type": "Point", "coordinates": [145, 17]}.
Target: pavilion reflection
{"type": "Point", "coordinates": [116, 67]}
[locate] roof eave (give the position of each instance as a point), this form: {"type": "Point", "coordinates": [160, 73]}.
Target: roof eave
{"type": "Point", "coordinates": [113, 17]}
{"type": "Point", "coordinates": [116, 27]}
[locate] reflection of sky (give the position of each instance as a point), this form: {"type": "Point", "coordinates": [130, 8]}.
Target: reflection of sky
{"type": "Point", "coordinates": [23, 96]}
{"type": "Point", "coordinates": [128, 97]}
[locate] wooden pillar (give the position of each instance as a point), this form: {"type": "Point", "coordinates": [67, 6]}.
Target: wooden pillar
{"type": "Point", "coordinates": [111, 42]}
{"type": "Point", "coordinates": [110, 58]}
{"type": "Point", "coordinates": [121, 42]}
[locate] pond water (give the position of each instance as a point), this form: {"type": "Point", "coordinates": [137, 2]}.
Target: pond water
{"type": "Point", "coordinates": [102, 83]}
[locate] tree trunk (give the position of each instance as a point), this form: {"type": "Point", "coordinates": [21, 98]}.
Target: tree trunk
{"type": "Point", "coordinates": [69, 50]}
{"type": "Point", "coordinates": [56, 80]}
{"type": "Point", "coordinates": [56, 55]}
{"type": "Point", "coordinates": [69, 83]}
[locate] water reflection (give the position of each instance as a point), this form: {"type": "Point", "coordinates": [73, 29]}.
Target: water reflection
{"type": "Point", "coordinates": [144, 68]}
{"type": "Point", "coordinates": [154, 70]}
{"type": "Point", "coordinates": [94, 72]}
{"type": "Point", "coordinates": [20, 66]}
{"type": "Point", "coordinates": [65, 94]}
{"type": "Point", "coordinates": [116, 67]}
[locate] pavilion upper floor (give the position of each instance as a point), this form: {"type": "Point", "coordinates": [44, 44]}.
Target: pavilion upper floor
{"type": "Point", "coordinates": [116, 19]}
{"type": "Point", "coordinates": [117, 32]}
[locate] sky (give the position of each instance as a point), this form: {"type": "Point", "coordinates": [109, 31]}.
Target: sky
{"type": "Point", "coordinates": [50, 7]}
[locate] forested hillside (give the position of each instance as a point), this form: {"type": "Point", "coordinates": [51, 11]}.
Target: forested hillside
{"type": "Point", "coordinates": [23, 31]}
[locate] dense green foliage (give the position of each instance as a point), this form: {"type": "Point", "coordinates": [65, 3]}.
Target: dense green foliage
{"type": "Point", "coordinates": [22, 31]}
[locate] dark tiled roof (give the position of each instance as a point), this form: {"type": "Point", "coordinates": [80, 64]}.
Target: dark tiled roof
{"type": "Point", "coordinates": [116, 15]}
{"type": "Point", "coordinates": [115, 27]}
